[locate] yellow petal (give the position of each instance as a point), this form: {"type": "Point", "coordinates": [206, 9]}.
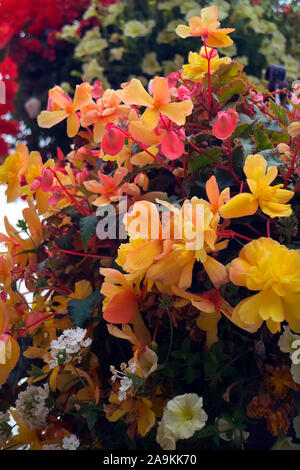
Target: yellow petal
{"type": "Point", "coordinates": [177, 112]}
{"type": "Point", "coordinates": [274, 209]}
{"type": "Point", "coordinates": [240, 205]}
{"type": "Point", "coordinates": [271, 307]}
{"type": "Point", "coordinates": [150, 118]}
{"type": "Point", "coordinates": [143, 257]}
{"type": "Point", "coordinates": [135, 93]}
{"type": "Point", "coordinates": [49, 119]}
{"type": "Point", "coordinates": [183, 31]}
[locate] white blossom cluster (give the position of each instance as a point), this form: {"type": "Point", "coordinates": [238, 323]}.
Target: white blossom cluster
{"type": "Point", "coordinates": [5, 428]}
{"type": "Point", "coordinates": [125, 381]}
{"type": "Point", "coordinates": [31, 406]}
{"type": "Point", "coordinates": [68, 345]}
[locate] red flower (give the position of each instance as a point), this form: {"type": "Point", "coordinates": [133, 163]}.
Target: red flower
{"type": "Point", "coordinates": [225, 123]}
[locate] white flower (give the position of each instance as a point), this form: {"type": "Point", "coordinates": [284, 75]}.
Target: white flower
{"type": "Point", "coordinates": [67, 345]}
{"type": "Point", "coordinates": [31, 407]}
{"type": "Point", "coordinates": [183, 415]}
{"type": "Point", "coordinates": [165, 437]}
{"type": "Point", "coordinates": [70, 443]}
{"type": "Point", "coordinates": [134, 29]}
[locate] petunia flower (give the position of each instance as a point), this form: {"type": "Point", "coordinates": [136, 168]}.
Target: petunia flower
{"type": "Point", "coordinates": [160, 103]}
{"type": "Point", "coordinates": [65, 108]}
{"type": "Point", "coordinates": [207, 27]}
{"type": "Point", "coordinates": [183, 416]}
{"type": "Point", "coordinates": [271, 199]}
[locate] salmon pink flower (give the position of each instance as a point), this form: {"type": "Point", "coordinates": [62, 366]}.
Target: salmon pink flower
{"type": "Point", "coordinates": [225, 123]}
{"type": "Point", "coordinates": [109, 188]}
{"type": "Point", "coordinates": [113, 141]}
{"type": "Point", "coordinates": [206, 27]}
{"type": "Point", "coordinates": [171, 145]}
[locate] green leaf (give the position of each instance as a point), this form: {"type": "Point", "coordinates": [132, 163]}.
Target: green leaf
{"type": "Point", "coordinates": [35, 371]}
{"type": "Point", "coordinates": [81, 310]}
{"type": "Point", "coordinates": [247, 145]}
{"type": "Point", "coordinates": [202, 160]}
{"type": "Point", "coordinates": [87, 229]}
{"type": "Point", "coordinates": [244, 130]}
{"type": "Point", "coordinates": [280, 112]}
{"type": "Point", "coordinates": [235, 87]}
{"type": "Point", "coordinates": [225, 74]}
{"type": "Point", "coordinates": [262, 140]}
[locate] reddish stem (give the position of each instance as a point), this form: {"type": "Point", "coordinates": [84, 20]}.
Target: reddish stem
{"type": "Point", "coordinates": [292, 166]}
{"type": "Point", "coordinates": [81, 209]}
{"type": "Point", "coordinates": [145, 149]}
{"type": "Point", "coordinates": [209, 82]}
{"type": "Point", "coordinates": [231, 233]}
{"type": "Point", "coordinates": [75, 253]}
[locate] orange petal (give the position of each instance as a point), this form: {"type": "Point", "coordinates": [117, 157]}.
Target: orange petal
{"type": "Point", "coordinates": [161, 90]}
{"type": "Point", "coordinates": [121, 308]}
{"type": "Point", "coordinates": [212, 191]}
{"type": "Point", "coordinates": [219, 38]}
{"type": "Point", "coordinates": [216, 271]}
{"type": "Point", "coordinates": [72, 125]}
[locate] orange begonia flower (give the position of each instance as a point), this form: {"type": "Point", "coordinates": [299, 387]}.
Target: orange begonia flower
{"type": "Point", "coordinates": [120, 304]}
{"type": "Point", "coordinates": [207, 27]}
{"type": "Point", "coordinates": [271, 199]}
{"type": "Point", "coordinates": [65, 108]}
{"type": "Point", "coordinates": [107, 109]}
{"type": "Point", "coordinates": [135, 94]}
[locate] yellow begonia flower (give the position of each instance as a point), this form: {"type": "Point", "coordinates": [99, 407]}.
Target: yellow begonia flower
{"type": "Point", "coordinates": [271, 199]}
{"type": "Point", "coordinates": [12, 170]}
{"type": "Point", "coordinates": [198, 65]}
{"type": "Point", "coordinates": [272, 269]}
{"type": "Point", "coordinates": [206, 27]}
{"type": "Point", "coordinates": [135, 94]}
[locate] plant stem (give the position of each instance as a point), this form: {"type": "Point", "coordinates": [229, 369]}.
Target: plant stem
{"type": "Point", "coordinates": [209, 81]}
